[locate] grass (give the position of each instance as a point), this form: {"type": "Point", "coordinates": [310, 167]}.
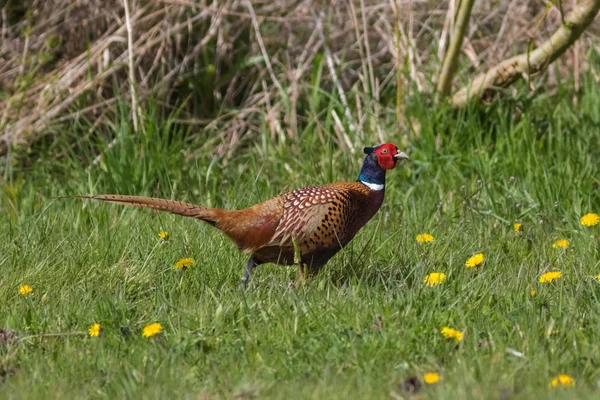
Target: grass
{"type": "Point", "coordinates": [367, 322]}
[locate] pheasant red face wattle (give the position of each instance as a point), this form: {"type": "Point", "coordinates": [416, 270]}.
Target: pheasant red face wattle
{"type": "Point", "coordinates": [388, 155]}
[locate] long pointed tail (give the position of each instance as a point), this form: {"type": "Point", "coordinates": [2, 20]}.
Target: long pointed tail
{"type": "Point", "coordinates": [175, 207]}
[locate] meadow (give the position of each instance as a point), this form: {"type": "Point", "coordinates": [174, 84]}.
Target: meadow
{"type": "Point", "coordinates": [369, 325]}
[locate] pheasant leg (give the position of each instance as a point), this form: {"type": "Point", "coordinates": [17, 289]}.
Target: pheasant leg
{"type": "Point", "coordinates": [301, 277]}
{"type": "Point", "coordinates": [248, 270]}
{"type": "Point", "coordinates": [298, 262]}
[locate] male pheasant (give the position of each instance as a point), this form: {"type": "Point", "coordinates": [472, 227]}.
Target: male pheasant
{"type": "Point", "coordinates": [306, 226]}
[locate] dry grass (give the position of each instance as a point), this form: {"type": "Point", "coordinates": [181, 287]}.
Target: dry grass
{"type": "Point", "coordinates": [232, 64]}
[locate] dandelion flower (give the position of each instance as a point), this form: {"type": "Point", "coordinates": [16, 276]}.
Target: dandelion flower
{"type": "Point", "coordinates": [517, 227]}
{"type": "Point", "coordinates": [431, 377]}
{"type": "Point", "coordinates": [425, 238]}
{"type": "Point", "coordinates": [550, 276]}
{"type": "Point", "coordinates": [25, 289]}
{"type": "Point", "coordinates": [184, 263]}
{"type": "Point", "coordinates": [434, 279]}
{"type": "Point", "coordinates": [94, 330]}
{"type": "Point", "coordinates": [452, 334]}
{"type": "Point", "coordinates": [532, 292]}
{"type": "Point", "coordinates": [564, 243]}
{"type": "Point", "coordinates": [164, 235]}
{"type": "Point", "coordinates": [152, 329]}
{"type": "Point", "coordinates": [590, 219]}
{"type": "Point", "coordinates": [562, 380]}
{"type": "Point", "coordinates": [475, 260]}
{"type": "Point", "coordinates": [598, 277]}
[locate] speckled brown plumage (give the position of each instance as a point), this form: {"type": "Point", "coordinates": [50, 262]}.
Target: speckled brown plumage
{"type": "Point", "coordinates": [318, 220]}
{"type": "Point", "coordinates": [321, 219]}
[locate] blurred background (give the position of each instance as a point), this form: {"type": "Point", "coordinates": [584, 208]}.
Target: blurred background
{"type": "Point", "coordinates": [229, 73]}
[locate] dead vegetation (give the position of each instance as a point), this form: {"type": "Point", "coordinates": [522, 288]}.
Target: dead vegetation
{"type": "Point", "coordinates": [231, 66]}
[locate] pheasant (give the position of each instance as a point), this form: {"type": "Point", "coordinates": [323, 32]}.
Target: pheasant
{"type": "Point", "coordinates": [305, 226]}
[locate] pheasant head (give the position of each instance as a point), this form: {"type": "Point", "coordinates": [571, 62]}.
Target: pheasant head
{"type": "Point", "coordinates": [379, 159]}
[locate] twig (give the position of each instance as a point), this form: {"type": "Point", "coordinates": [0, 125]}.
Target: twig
{"type": "Point", "coordinates": [43, 335]}
{"type": "Point", "coordinates": [261, 44]}
{"type": "Point", "coordinates": [360, 45]}
{"type": "Point", "coordinates": [576, 70]}
{"type": "Point", "coordinates": [451, 58]}
{"type": "Point", "coordinates": [339, 128]}
{"type": "Point", "coordinates": [131, 65]}
{"type": "Point", "coordinates": [334, 78]}
{"type": "Point", "coordinates": [3, 31]}
{"type": "Point", "coordinates": [445, 29]}
{"type": "Point", "coordinates": [367, 47]}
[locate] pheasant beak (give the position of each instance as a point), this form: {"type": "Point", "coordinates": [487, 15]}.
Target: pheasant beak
{"type": "Point", "coordinates": [401, 156]}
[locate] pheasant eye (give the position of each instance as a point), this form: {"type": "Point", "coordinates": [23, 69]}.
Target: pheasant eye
{"type": "Point", "coordinates": [384, 151]}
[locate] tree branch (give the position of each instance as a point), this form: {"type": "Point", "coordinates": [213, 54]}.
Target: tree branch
{"type": "Point", "coordinates": [131, 66]}
{"type": "Point", "coordinates": [530, 63]}
{"type": "Point", "coordinates": [451, 58]}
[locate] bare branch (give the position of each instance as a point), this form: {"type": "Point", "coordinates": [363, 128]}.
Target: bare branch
{"type": "Point", "coordinates": [130, 60]}
{"type": "Point", "coordinates": [530, 63]}
{"type": "Point", "coordinates": [451, 58]}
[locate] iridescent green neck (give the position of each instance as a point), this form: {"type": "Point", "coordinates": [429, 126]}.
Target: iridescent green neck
{"type": "Point", "coordinates": [372, 174]}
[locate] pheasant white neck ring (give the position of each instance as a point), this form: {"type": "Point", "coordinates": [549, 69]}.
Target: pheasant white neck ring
{"type": "Point", "coordinates": [371, 174]}
{"type": "Point", "coordinates": [373, 186]}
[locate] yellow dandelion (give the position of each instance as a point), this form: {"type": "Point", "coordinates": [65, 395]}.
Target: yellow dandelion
{"type": "Point", "coordinates": [431, 377]}
{"type": "Point", "coordinates": [564, 243]}
{"type": "Point", "coordinates": [598, 277]}
{"type": "Point", "coordinates": [94, 330]}
{"type": "Point", "coordinates": [434, 279]}
{"type": "Point", "coordinates": [562, 380]}
{"type": "Point", "coordinates": [152, 329]}
{"type": "Point", "coordinates": [425, 238]}
{"type": "Point", "coordinates": [184, 263]}
{"type": "Point", "coordinates": [25, 289]}
{"type": "Point", "coordinates": [590, 219]}
{"type": "Point", "coordinates": [164, 235]}
{"type": "Point", "coordinates": [550, 276]}
{"type": "Point", "coordinates": [475, 260]}
{"type": "Point", "coordinates": [532, 292]}
{"type": "Point", "coordinates": [452, 334]}
{"type": "Point", "coordinates": [517, 227]}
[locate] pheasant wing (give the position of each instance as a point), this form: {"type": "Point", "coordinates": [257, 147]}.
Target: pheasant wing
{"type": "Point", "coordinates": [314, 217]}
